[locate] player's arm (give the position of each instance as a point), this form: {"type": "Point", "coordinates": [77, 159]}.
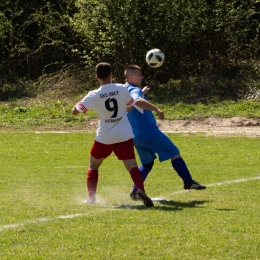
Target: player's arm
{"type": "Point", "coordinates": [75, 111]}
{"type": "Point", "coordinates": [144, 104]}
{"type": "Point", "coordinates": [79, 108]}
{"type": "Point", "coordinates": [130, 103]}
{"type": "Point", "coordinates": [145, 90]}
{"type": "Point", "coordinates": [128, 109]}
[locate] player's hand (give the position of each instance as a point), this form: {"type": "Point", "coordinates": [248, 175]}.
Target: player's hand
{"type": "Point", "coordinates": [145, 90]}
{"type": "Point", "coordinates": [128, 109]}
{"type": "Point", "coordinates": [160, 113]}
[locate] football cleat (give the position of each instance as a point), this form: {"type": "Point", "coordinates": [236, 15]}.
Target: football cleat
{"type": "Point", "coordinates": [145, 199]}
{"type": "Point", "coordinates": [89, 201]}
{"type": "Point", "coordinates": [194, 186]}
{"type": "Point", "coordinates": [134, 195]}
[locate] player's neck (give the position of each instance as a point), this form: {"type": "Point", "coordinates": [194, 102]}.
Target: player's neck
{"type": "Point", "coordinates": [132, 84]}
{"type": "Point", "coordinates": [104, 82]}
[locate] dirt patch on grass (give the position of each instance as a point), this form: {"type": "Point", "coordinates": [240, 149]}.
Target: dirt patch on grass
{"type": "Point", "coordinates": [214, 126]}
{"type": "Point", "coordinates": [236, 126]}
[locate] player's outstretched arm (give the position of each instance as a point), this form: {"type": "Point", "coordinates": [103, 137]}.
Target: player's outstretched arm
{"type": "Point", "coordinates": [75, 111]}
{"type": "Point", "coordinates": [144, 104]}
{"type": "Point", "coordinates": [145, 90]}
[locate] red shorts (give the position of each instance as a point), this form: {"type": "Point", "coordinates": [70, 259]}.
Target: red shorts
{"type": "Point", "coordinates": [123, 150]}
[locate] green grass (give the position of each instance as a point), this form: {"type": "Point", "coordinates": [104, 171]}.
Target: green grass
{"type": "Point", "coordinates": [48, 112]}
{"type": "Point", "coordinates": [225, 109]}
{"type": "Point", "coordinates": [42, 187]}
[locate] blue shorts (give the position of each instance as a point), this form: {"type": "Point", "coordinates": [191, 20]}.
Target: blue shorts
{"type": "Point", "coordinates": [159, 144]}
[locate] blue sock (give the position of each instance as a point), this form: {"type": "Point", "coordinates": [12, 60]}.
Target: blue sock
{"type": "Point", "coordinates": [181, 168]}
{"type": "Point", "coordinates": [145, 168]}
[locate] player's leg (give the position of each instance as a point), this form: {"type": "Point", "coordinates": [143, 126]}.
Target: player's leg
{"type": "Point", "coordinates": [131, 166]}
{"type": "Point", "coordinates": [166, 149]}
{"type": "Point", "coordinates": [146, 156]}
{"type": "Point", "coordinates": [181, 168]}
{"type": "Point", "coordinates": [125, 152]}
{"type": "Point", "coordinates": [144, 169]}
{"type": "Point", "coordinates": [162, 145]}
{"type": "Point", "coordinates": [92, 178]}
{"type": "Point", "coordinates": [135, 174]}
{"type": "Point", "coordinates": [98, 153]}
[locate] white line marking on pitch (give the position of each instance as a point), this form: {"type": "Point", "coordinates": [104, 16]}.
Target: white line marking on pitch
{"type": "Point", "coordinates": [39, 220]}
{"type": "Point", "coordinates": [213, 185]}
{"type": "Point", "coordinates": [234, 181]}
{"type": "Point", "coordinates": [69, 167]}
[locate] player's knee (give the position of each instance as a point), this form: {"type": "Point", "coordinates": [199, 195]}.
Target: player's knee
{"type": "Point", "coordinates": [94, 163]}
{"type": "Point", "coordinates": [129, 164]}
{"type": "Point", "coordinates": [176, 157]}
{"type": "Point", "coordinates": [93, 167]}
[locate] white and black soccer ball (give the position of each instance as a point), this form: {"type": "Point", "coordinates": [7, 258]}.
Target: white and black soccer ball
{"type": "Point", "coordinates": [154, 58]}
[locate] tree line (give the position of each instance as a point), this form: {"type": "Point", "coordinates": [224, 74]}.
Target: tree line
{"type": "Point", "coordinates": [211, 46]}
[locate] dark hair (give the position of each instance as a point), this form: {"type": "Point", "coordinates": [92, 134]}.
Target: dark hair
{"type": "Point", "coordinates": [103, 70]}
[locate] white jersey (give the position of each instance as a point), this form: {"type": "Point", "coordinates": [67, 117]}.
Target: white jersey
{"type": "Point", "coordinates": [110, 102]}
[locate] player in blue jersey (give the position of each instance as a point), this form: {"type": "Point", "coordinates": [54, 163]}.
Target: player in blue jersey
{"type": "Point", "coordinates": [149, 140]}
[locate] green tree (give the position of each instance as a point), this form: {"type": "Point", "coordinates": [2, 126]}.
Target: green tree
{"type": "Point", "coordinates": [38, 35]}
{"type": "Point", "coordinates": [206, 42]}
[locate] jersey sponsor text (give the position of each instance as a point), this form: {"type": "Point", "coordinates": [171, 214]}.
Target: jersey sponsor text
{"type": "Point", "coordinates": [113, 120]}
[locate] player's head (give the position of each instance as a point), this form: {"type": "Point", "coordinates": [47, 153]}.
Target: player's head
{"type": "Point", "coordinates": [103, 70]}
{"type": "Point", "coordinates": [133, 75]}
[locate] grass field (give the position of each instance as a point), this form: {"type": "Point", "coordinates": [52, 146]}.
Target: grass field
{"type": "Point", "coordinates": [49, 112]}
{"type": "Point", "coordinates": [42, 189]}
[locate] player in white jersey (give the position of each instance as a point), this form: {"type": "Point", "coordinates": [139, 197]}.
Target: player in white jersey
{"type": "Point", "coordinates": [109, 101]}
{"type": "Point", "coordinates": [114, 133]}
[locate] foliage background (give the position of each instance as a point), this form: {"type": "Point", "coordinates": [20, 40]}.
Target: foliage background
{"type": "Point", "coordinates": [211, 46]}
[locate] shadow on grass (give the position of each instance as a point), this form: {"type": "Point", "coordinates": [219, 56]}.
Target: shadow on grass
{"type": "Point", "coordinates": [168, 205]}
{"type": "Point", "coordinates": [225, 209]}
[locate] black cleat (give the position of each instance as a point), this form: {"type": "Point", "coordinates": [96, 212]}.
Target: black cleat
{"type": "Point", "coordinates": [194, 186]}
{"type": "Point", "coordinates": [145, 199]}
{"type": "Point", "coordinates": [134, 195]}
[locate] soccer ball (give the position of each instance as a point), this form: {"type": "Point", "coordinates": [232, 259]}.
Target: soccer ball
{"type": "Point", "coordinates": [154, 58]}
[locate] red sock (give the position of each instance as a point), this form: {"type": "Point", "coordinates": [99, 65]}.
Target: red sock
{"type": "Point", "coordinates": [137, 178]}
{"type": "Point", "coordinates": [92, 180]}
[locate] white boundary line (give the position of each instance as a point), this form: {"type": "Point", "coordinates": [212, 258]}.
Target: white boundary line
{"type": "Point", "coordinates": [224, 183]}
{"type": "Point", "coordinates": [70, 167]}
{"type": "Point", "coordinates": [212, 185]}
{"type": "Point", "coordinates": [40, 220]}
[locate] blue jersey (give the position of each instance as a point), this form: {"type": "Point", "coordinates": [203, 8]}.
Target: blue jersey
{"type": "Point", "coordinates": [142, 121]}
{"type": "Point", "coordinates": [148, 140]}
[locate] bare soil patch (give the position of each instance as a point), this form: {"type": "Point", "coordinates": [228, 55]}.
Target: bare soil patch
{"type": "Point", "coordinates": [238, 126]}
{"type": "Point", "coordinates": [235, 126]}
